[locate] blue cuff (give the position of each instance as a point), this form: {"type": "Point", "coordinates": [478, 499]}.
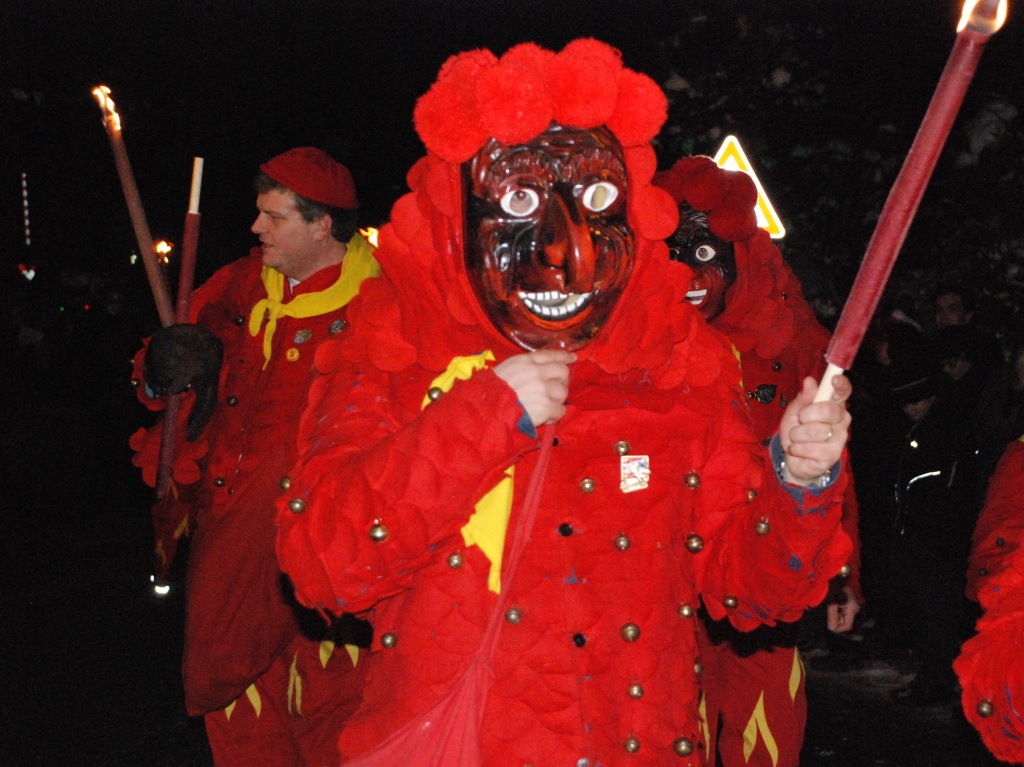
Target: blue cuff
{"type": "Point", "coordinates": [798, 493]}
{"type": "Point", "coordinates": [525, 424]}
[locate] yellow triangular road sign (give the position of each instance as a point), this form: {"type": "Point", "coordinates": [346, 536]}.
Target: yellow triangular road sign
{"type": "Point", "coordinates": [732, 157]}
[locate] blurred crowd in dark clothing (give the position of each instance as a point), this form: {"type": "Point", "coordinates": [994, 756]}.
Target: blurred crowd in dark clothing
{"type": "Point", "coordinates": [936, 400]}
{"type": "Point", "coordinates": [73, 330]}
{"type": "Point", "coordinates": [66, 344]}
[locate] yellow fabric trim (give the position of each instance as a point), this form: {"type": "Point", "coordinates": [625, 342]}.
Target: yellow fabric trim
{"type": "Point", "coordinates": [489, 523]}
{"type": "Point", "coordinates": [1021, 439]}
{"type": "Point", "coordinates": [357, 266]}
{"type": "Point", "coordinates": [254, 698]}
{"type": "Point", "coordinates": [702, 709]}
{"type": "Point", "coordinates": [353, 653]}
{"type": "Point", "coordinates": [459, 369]}
{"type": "Point", "coordinates": [182, 528]}
{"type": "Point", "coordinates": [739, 359]}
{"type": "Point", "coordinates": [759, 723]}
{"type": "Point", "coordinates": [326, 651]}
{"type": "Point", "coordinates": [795, 674]}
{"type": "Point", "coordinates": [294, 688]}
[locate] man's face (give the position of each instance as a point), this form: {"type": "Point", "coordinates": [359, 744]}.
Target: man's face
{"type": "Point", "coordinates": [548, 249]}
{"type": "Point", "coordinates": [712, 260]}
{"type": "Point", "coordinates": [950, 310]}
{"type": "Point", "coordinates": [288, 240]}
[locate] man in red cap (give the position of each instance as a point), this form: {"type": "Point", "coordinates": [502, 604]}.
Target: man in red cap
{"type": "Point", "coordinates": [739, 282]}
{"type": "Point", "coordinates": [273, 681]}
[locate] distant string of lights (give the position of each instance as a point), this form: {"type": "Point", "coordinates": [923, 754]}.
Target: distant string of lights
{"type": "Point", "coordinates": [24, 208]}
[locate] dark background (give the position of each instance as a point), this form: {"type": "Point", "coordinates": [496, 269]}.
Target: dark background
{"type": "Point", "coordinates": [237, 82]}
{"type": "Point", "coordinates": [826, 96]}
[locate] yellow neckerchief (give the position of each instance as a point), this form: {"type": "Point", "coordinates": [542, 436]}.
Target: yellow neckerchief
{"type": "Point", "coordinates": [358, 265]}
{"type": "Point", "coordinates": [489, 523]}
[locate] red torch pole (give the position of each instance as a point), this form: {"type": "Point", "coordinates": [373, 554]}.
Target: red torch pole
{"type": "Point", "coordinates": [191, 244]}
{"type": "Point", "coordinates": [980, 20]}
{"type": "Point", "coordinates": [112, 122]}
{"type": "Point", "coordinates": [168, 438]}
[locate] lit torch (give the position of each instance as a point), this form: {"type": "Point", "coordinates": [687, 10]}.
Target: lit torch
{"type": "Point", "coordinates": [980, 20]}
{"type": "Point", "coordinates": [112, 122]}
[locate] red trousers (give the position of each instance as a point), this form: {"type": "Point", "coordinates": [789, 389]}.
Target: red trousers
{"type": "Point", "coordinates": [754, 699]}
{"type": "Point", "coordinates": [291, 716]}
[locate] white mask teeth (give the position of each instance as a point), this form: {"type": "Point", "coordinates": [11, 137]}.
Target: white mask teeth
{"type": "Point", "coordinates": [553, 304]}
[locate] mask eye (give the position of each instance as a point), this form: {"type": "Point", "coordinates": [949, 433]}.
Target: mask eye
{"type": "Point", "coordinates": [600, 196]}
{"type": "Point", "coordinates": [704, 253]}
{"type": "Point", "coordinates": [520, 202]}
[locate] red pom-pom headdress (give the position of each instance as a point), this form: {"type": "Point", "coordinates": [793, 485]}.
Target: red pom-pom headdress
{"type": "Point", "coordinates": [478, 96]}
{"type": "Point", "coordinates": [727, 196]}
{"type": "Point", "coordinates": [513, 98]}
{"type": "Point", "coordinates": [764, 308]}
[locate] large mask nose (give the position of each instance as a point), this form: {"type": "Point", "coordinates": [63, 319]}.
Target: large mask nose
{"type": "Point", "coordinates": [565, 240]}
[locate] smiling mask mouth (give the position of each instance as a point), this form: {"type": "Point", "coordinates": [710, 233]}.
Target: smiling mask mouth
{"type": "Point", "coordinates": [696, 296]}
{"type": "Point", "coordinates": [555, 305]}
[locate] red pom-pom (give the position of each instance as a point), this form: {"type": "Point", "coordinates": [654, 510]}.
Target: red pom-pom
{"type": "Point", "coordinates": [734, 219]}
{"type": "Point", "coordinates": [512, 96]}
{"type": "Point", "coordinates": [642, 163]}
{"type": "Point", "coordinates": [671, 182]}
{"type": "Point", "coordinates": [652, 212]}
{"type": "Point", "coordinates": [727, 196]}
{"type": "Point", "coordinates": [477, 97]}
{"type": "Point", "coordinates": [706, 185]}
{"type": "Point", "coordinates": [583, 81]}
{"type": "Point", "coordinates": [640, 111]}
{"type": "Point", "coordinates": [446, 116]}
{"type": "Point", "coordinates": [733, 223]}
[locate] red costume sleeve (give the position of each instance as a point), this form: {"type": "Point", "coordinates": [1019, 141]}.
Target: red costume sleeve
{"type": "Point", "coordinates": [418, 482]}
{"type": "Point", "coordinates": [990, 666]}
{"type": "Point", "coordinates": [773, 559]}
{"type": "Point", "coordinates": [174, 515]}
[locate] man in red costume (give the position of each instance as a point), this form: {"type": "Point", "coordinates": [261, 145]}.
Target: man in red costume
{"type": "Point", "coordinates": [534, 600]}
{"type": "Point", "coordinates": [990, 666]}
{"type": "Point", "coordinates": [273, 685]}
{"type": "Point", "coordinates": [753, 681]}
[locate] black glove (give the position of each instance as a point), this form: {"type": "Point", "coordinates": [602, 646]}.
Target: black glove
{"type": "Point", "coordinates": [181, 357]}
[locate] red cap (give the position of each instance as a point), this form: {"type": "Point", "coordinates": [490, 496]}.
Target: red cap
{"type": "Point", "coordinates": [314, 174]}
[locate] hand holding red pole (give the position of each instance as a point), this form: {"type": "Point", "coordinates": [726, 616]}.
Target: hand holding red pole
{"type": "Point", "coordinates": [980, 20]}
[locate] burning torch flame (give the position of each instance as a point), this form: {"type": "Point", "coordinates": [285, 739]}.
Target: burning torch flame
{"type": "Point", "coordinates": [370, 235]}
{"type": "Point", "coordinates": [983, 16]}
{"type": "Point", "coordinates": [163, 249]}
{"type": "Point", "coordinates": [110, 116]}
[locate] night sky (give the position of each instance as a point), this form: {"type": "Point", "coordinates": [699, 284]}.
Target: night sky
{"type": "Point", "coordinates": [237, 82]}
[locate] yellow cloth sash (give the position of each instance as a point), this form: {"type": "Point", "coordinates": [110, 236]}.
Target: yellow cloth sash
{"type": "Point", "coordinates": [489, 523]}
{"type": "Point", "coordinates": [358, 265]}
